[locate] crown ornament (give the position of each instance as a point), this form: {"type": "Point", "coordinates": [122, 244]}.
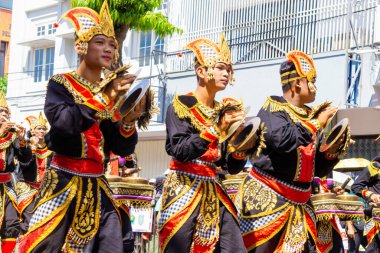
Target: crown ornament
{"type": "Point", "coordinates": [209, 53]}
{"type": "Point", "coordinates": [88, 23]}
{"type": "Point", "coordinates": [3, 100]}
{"type": "Point", "coordinates": [36, 121]}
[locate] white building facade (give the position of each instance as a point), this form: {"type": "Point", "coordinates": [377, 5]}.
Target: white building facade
{"type": "Point", "coordinates": [343, 36]}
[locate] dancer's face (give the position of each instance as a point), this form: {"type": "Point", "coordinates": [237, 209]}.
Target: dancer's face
{"type": "Point", "coordinates": [306, 92]}
{"type": "Point", "coordinates": [4, 114]}
{"type": "Point", "coordinates": [222, 75]}
{"type": "Point", "coordinates": [40, 132]}
{"type": "Point", "coordinates": [100, 52]}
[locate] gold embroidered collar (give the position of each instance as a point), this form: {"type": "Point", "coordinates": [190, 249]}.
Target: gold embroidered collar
{"type": "Point", "coordinates": [200, 116]}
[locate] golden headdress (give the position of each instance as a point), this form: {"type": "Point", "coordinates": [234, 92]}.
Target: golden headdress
{"type": "Point", "coordinates": [3, 101]}
{"type": "Point", "coordinates": [34, 121]}
{"type": "Point", "coordinates": [88, 23]}
{"type": "Point", "coordinates": [209, 53]}
{"type": "Point", "coordinates": [304, 67]}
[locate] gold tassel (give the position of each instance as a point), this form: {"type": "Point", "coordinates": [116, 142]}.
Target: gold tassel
{"type": "Point", "coordinates": [150, 110]}
{"type": "Point", "coordinates": [261, 141]}
{"type": "Point", "coordinates": [273, 106]}
{"type": "Point", "coordinates": [183, 112]}
{"type": "Point", "coordinates": [3, 101]}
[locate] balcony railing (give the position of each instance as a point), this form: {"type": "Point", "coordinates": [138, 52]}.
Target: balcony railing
{"type": "Point", "coordinates": [265, 29]}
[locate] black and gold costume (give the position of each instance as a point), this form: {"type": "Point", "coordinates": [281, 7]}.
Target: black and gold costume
{"type": "Point", "coordinates": [196, 213]}
{"type": "Point", "coordinates": [10, 149]}
{"type": "Point", "coordinates": [367, 184]}
{"type": "Point", "coordinates": [273, 201]}
{"type": "Point", "coordinates": [29, 182]}
{"type": "Point", "coordinates": [74, 204]}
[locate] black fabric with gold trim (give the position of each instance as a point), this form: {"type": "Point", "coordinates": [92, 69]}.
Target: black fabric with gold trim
{"type": "Point", "coordinates": [10, 150]}
{"type": "Point", "coordinates": [292, 144]}
{"type": "Point", "coordinates": [75, 101]}
{"type": "Point", "coordinates": [81, 145]}
{"type": "Point", "coordinates": [194, 201]}
{"type": "Point", "coordinates": [9, 218]}
{"type": "Point", "coordinates": [29, 183]}
{"type": "Point", "coordinates": [273, 202]}
{"type": "Point", "coordinates": [365, 185]}
{"type": "Point", "coordinates": [69, 197]}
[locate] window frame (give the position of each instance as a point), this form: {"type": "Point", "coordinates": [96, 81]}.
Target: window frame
{"type": "Point", "coordinates": [156, 43]}
{"type": "Point", "coordinates": [45, 69]}
{"type": "Point", "coordinates": [3, 51]}
{"type": "Point", "coordinates": [41, 30]}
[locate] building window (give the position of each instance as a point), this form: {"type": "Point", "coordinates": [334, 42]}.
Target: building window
{"type": "Point", "coordinates": [49, 63]}
{"type": "Point", "coordinates": [38, 64]}
{"type": "Point", "coordinates": [149, 42]}
{"type": "Point", "coordinates": [163, 5]}
{"type": "Point", "coordinates": [159, 50]}
{"type": "Point", "coordinates": [41, 30]}
{"type": "Point", "coordinates": [51, 29]}
{"type": "Point", "coordinates": [145, 48]}
{"type": "Point", "coordinates": [3, 50]}
{"type": "Point", "coordinates": [43, 64]}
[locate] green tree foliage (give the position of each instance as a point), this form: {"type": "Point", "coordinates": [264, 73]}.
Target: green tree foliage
{"type": "Point", "coordinates": [3, 84]}
{"type": "Point", "coordinates": [133, 14]}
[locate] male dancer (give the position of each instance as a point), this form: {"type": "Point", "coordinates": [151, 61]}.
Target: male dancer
{"type": "Point", "coordinates": [75, 211]}
{"type": "Point", "coordinates": [272, 201]}
{"type": "Point", "coordinates": [196, 213]}
{"type": "Point", "coordinates": [30, 178]}
{"type": "Point", "coordinates": [12, 145]}
{"type": "Point", "coordinates": [367, 186]}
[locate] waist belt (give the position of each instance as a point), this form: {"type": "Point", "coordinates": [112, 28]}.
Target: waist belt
{"type": "Point", "coordinates": [77, 166]}
{"type": "Point", "coordinates": [33, 184]}
{"type": "Point", "coordinates": [5, 177]}
{"type": "Point", "coordinates": [196, 167]}
{"type": "Point", "coordinates": [288, 191]}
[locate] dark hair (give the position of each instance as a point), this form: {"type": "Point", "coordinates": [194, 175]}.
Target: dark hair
{"type": "Point", "coordinates": [196, 65]}
{"type": "Point", "coordinates": [286, 66]}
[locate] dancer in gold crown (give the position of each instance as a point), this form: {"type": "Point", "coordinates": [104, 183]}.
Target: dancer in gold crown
{"type": "Point", "coordinates": [367, 186]}
{"type": "Point", "coordinates": [196, 213]}
{"type": "Point", "coordinates": [12, 145]}
{"type": "Point", "coordinates": [30, 178]}
{"type": "Point", "coordinates": [74, 210]}
{"type": "Point", "coordinates": [272, 202]}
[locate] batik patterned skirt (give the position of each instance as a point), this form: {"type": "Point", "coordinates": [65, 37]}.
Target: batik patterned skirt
{"type": "Point", "coordinates": [62, 193]}
{"type": "Point", "coordinates": [269, 221]}
{"type": "Point", "coordinates": [183, 195]}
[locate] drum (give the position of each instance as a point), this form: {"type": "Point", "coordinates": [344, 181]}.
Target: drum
{"type": "Point", "coordinates": [349, 207]}
{"type": "Point", "coordinates": [376, 214]}
{"type": "Point", "coordinates": [232, 183]}
{"type": "Point", "coordinates": [351, 164]}
{"type": "Point", "coordinates": [132, 191]}
{"type": "Point", "coordinates": [325, 205]}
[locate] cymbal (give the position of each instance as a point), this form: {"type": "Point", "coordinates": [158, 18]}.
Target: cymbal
{"type": "Point", "coordinates": [131, 99]}
{"type": "Point", "coordinates": [333, 136]}
{"type": "Point", "coordinates": [233, 127]}
{"type": "Point", "coordinates": [351, 164]}
{"type": "Point", "coordinates": [231, 130]}
{"type": "Point", "coordinates": [246, 134]}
